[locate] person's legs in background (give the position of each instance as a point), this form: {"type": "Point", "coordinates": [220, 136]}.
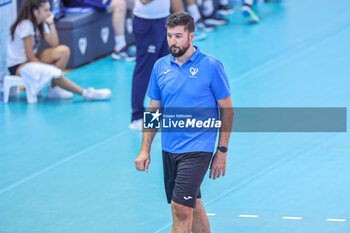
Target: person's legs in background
{"type": "Point", "coordinates": [248, 12]}
{"type": "Point", "coordinates": [224, 7]}
{"type": "Point", "coordinates": [150, 36]}
{"type": "Point", "coordinates": [121, 52]}
{"type": "Point", "coordinates": [177, 6]}
{"type": "Point", "coordinates": [62, 88]}
{"type": "Point", "coordinates": [209, 14]}
{"type": "Point", "coordinates": [192, 8]}
{"type": "Point", "coordinates": [59, 56]}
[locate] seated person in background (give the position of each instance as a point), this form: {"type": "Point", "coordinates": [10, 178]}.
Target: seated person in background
{"type": "Point", "coordinates": [211, 15]}
{"type": "Point", "coordinates": [201, 25]}
{"type": "Point", "coordinates": [35, 20]}
{"type": "Point", "coordinates": [224, 7]}
{"type": "Point", "coordinates": [248, 11]}
{"type": "Point", "coordinates": [118, 9]}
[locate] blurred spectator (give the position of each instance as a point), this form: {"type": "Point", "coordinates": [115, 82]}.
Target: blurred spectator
{"type": "Point", "coordinates": [248, 11]}
{"type": "Point", "coordinates": [33, 22]}
{"type": "Point", "coordinates": [193, 9]}
{"type": "Point", "coordinates": [118, 9]}
{"type": "Point", "coordinates": [224, 7]}
{"type": "Point", "coordinates": [209, 14]}
{"type": "Point", "coordinates": [151, 44]}
{"type": "Point", "coordinates": [177, 6]}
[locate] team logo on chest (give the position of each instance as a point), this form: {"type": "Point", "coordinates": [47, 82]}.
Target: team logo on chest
{"type": "Point", "coordinates": [193, 71]}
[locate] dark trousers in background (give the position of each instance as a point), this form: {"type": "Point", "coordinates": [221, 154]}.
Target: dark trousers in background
{"type": "Point", "coordinates": [151, 44]}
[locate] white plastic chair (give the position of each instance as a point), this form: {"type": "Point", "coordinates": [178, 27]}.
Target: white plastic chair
{"type": "Point", "coordinates": [11, 81]}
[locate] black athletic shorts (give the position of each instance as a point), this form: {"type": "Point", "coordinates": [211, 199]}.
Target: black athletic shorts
{"type": "Point", "coordinates": [13, 69]}
{"type": "Point", "coordinates": [183, 175]}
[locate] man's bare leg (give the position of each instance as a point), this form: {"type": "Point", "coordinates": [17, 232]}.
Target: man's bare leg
{"type": "Point", "coordinates": [200, 223]}
{"type": "Point", "coordinates": [118, 10]}
{"type": "Point", "coordinates": [182, 218]}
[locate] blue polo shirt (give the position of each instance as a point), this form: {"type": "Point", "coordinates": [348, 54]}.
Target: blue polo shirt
{"type": "Point", "coordinates": [198, 83]}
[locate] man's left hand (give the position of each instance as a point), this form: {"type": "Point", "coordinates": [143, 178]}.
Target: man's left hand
{"type": "Point", "coordinates": [218, 165]}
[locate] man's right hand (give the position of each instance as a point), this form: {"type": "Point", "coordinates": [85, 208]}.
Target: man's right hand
{"type": "Point", "coordinates": [142, 161]}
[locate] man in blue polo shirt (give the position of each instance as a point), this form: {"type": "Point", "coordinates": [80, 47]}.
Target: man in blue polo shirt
{"type": "Point", "coordinates": [190, 79]}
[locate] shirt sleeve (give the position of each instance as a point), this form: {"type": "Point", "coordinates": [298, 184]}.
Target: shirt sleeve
{"type": "Point", "coordinates": [25, 28]}
{"type": "Point", "coordinates": [153, 87]}
{"type": "Point", "coordinates": [220, 85]}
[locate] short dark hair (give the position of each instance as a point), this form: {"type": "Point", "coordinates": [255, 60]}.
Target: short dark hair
{"type": "Point", "coordinates": [180, 19]}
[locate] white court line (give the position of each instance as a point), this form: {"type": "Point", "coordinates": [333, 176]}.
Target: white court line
{"type": "Point", "coordinates": [248, 216]}
{"type": "Point", "coordinates": [269, 168]}
{"type": "Point", "coordinates": [266, 170]}
{"type": "Point", "coordinates": [256, 216]}
{"type": "Point", "coordinates": [342, 149]}
{"type": "Point", "coordinates": [163, 228]}
{"type": "Point", "coordinates": [60, 162]}
{"type": "Point", "coordinates": [335, 220]}
{"type": "Point", "coordinates": [292, 218]}
{"type": "Point", "coordinates": [211, 214]}
{"type": "Point", "coordinates": [291, 52]}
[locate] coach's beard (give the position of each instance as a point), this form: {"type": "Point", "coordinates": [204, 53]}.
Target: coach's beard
{"type": "Point", "coordinates": [180, 51]}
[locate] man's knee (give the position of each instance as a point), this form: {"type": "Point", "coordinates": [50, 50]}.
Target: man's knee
{"type": "Point", "coordinates": [181, 212]}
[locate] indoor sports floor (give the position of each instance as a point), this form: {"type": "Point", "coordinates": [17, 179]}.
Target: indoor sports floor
{"type": "Point", "coordinates": [66, 166]}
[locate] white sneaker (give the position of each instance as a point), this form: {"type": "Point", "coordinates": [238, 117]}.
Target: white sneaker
{"type": "Point", "coordinates": [136, 124]}
{"type": "Point", "coordinates": [58, 93]}
{"type": "Point", "coordinates": [99, 94]}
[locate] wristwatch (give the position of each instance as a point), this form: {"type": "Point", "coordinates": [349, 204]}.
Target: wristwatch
{"type": "Point", "coordinates": [223, 149]}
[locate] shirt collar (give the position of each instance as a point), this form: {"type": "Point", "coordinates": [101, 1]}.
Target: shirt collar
{"type": "Point", "coordinates": [192, 58]}
{"type": "Point", "coordinates": [195, 54]}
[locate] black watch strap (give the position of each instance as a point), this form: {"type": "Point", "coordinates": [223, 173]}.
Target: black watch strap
{"type": "Point", "coordinates": [223, 149]}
